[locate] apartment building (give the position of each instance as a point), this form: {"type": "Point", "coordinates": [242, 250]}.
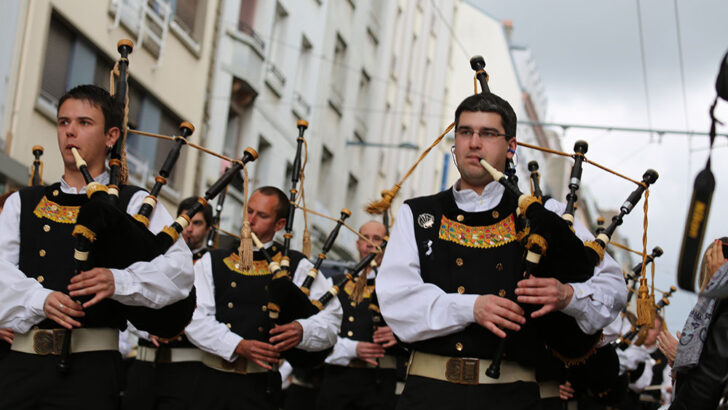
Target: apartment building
{"type": "Point", "coordinates": [362, 73]}
{"type": "Point", "coordinates": [58, 44]}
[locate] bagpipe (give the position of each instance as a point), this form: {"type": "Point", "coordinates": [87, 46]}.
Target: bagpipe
{"type": "Point", "coordinates": [699, 210]}
{"type": "Point", "coordinates": [107, 236]}
{"type": "Point", "coordinates": [287, 301]}
{"type": "Point", "coordinates": [553, 250]}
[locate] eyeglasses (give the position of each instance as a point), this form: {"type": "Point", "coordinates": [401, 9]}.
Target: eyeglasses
{"type": "Point", "coordinates": [483, 133]}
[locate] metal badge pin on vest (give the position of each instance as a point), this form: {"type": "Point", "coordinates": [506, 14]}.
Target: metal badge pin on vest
{"type": "Point", "coordinates": [428, 252]}
{"type": "Point", "coordinates": [426, 221]}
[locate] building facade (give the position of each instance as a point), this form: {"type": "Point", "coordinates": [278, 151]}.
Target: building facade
{"type": "Point", "coordinates": [58, 44]}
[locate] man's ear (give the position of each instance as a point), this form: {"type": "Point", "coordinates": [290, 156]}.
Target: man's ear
{"type": "Point", "coordinates": [112, 135]}
{"type": "Point", "coordinates": [512, 144]}
{"type": "Point", "coordinates": [280, 224]}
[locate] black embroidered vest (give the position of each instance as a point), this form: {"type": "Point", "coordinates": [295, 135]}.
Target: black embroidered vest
{"type": "Point", "coordinates": [471, 253]}
{"type": "Point", "coordinates": [241, 296]}
{"type": "Point", "coordinates": [47, 218]}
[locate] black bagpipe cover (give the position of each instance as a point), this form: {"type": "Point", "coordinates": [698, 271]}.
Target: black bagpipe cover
{"type": "Point", "coordinates": [697, 221]}
{"type": "Point", "coordinates": [569, 261]}
{"type": "Point", "coordinates": [294, 305]}
{"type": "Point", "coordinates": [599, 375]}
{"type": "Point", "coordinates": [122, 241]}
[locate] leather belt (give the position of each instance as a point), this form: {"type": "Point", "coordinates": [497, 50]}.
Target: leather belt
{"type": "Point", "coordinates": [462, 370]}
{"type": "Point", "coordinates": [241, 365]}
{"type": "Point", "coordinates": [50, 341]}
{"type": "Point", "coordinates": [176, 354]}
{"type": "Point", "coordinates": [385, 362]}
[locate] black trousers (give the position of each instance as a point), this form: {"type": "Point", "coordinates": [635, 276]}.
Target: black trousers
{"type": "Point", "coordinates": [217, 390]}
{"type": "Point", "coordinates": [300, 398]}
{"type": "Point", "coordinates": [357, 388]}
{"type": "Point", "coordinates": [160, 386]}
{"type": "Point", "coordinates": [29, 381]}
{"type": "Point", "coordinates": [425, 393]}
{"type": "Point", "coordinates": [553, 403]}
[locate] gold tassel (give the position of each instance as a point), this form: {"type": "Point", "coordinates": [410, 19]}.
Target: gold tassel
{"type": "Point", "coordinates": [246, 238]}
{"type": "Point", "coordinates": [246, 247]}
{"type": "Point", "coordinates": [306, 248]}
{"type": "Point", "coordinates": [357, 294]}
{"type": "Point", "coordinates": [378, 207]}
{"type": "Point", "coordinates": [644, 304]}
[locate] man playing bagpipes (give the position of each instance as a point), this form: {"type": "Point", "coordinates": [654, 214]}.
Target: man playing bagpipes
{"type": "Point", "coordinates": [164, 372]}
{"type": "Point", "coordinates": [361, 372]}
{"type": "Point", "coordinates": [230, 321]}
{"type": "Point", "coordinates": [451, 273]}
{"type": "Point", "coordinates": [38, 284]}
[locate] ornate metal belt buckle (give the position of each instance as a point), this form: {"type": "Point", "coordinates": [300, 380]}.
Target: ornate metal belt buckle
{"type": "Point", "coordinates": [463, 371]}
{"type": "Point", "coordinates": [47, 342]}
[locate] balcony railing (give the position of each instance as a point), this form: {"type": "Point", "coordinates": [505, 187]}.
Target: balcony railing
{"type": "Point", "coordinates": [247, 29]}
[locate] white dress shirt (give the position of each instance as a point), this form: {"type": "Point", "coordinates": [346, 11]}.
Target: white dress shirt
{"type": "Point", "coordinates": [416, 310]}
{"type": "Point", "coordinates": [210, 335]}
{"type": "Point", "coordinates": [159, 282]}
{"type": "Point", "coordinates": [345, 348]}
{"type": "Point", "coordinates": [630, 358]}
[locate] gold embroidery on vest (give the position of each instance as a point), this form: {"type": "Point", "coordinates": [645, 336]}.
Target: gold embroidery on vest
{"type": "Point", "coordinates": [490, 236]}
{"type": "Point", "coordinates": [56, 213]}
{"type": "Point", "coordinates": [349, 287]}
{"type": "Point", "coordinates": [260, 268]}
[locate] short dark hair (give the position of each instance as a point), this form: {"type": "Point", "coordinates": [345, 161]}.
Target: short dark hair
{"type": "Point", "coordinates": [488, 102]}
{"type": "Point", "coordinates": [187, 204]}
{"type": "Point", "coordinates": [284, 204]}
{"type": "Point", "coordinates": [98, 97]}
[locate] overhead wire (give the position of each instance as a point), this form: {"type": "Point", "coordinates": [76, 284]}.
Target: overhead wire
{"type": "Point", "coordinates": [644, 67]}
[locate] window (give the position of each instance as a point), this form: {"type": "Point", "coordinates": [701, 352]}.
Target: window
{"type": "Point", "coordinates": [70, 60]}
{"type": "Point", "coordinates": [303, 66]}
{"type": "Point", "coordinates": [351, 190]}
{"type": "Point", "coordinates": [190, 16]}
{"type": "Point", "coordinates": [327, 162]}
{"type": "Point", "coordinates": [145, 155]}
{"type": "Point", "coordinates": [338, 69]}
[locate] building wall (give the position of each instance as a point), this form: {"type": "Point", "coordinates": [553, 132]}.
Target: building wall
{"type": "Point", "coordinates": [177, 81]}
{"type": "Point", "coordinates": [344, 71]}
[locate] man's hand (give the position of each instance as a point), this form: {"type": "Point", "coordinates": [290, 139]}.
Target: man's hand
{"type": "Point", "coordinates": [262, 353]}
{"type": "Point", "coordinates": [384, 336]}
{"type": "Point", "coordinates": [369, 352]}
{"type": "Point", "coordinates": [494, 312]}
{"type": "Point", "coordinates": [286, 336]}
{"type": "Point", "coordinates": [668, 345]}
{"type": "Point", "coordinates": [566, 392]}
{"type": "Point", "coordinates": [157, 341]}
{"type": "Point", "coordinates": [7, 335]}
{"type": "Point", "coordinates": [549, 292]}
{"type": "Point", "coordinates": [61, 309]}
{"type": "Point", "coordinates": [97, 281]}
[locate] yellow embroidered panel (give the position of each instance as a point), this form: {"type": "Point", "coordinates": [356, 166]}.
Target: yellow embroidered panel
{"type": "Point", "coordinates": [349, 287]}
{"type": "Point", "coordinates": [260, 268]}
{"type": "Point", "coordinates": [56, 213]}
{"type": "Point", "coordinates": [490, 236]}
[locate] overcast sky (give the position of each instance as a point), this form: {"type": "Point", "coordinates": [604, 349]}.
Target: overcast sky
{"type": "Point", "coordinates": [588, 56]}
